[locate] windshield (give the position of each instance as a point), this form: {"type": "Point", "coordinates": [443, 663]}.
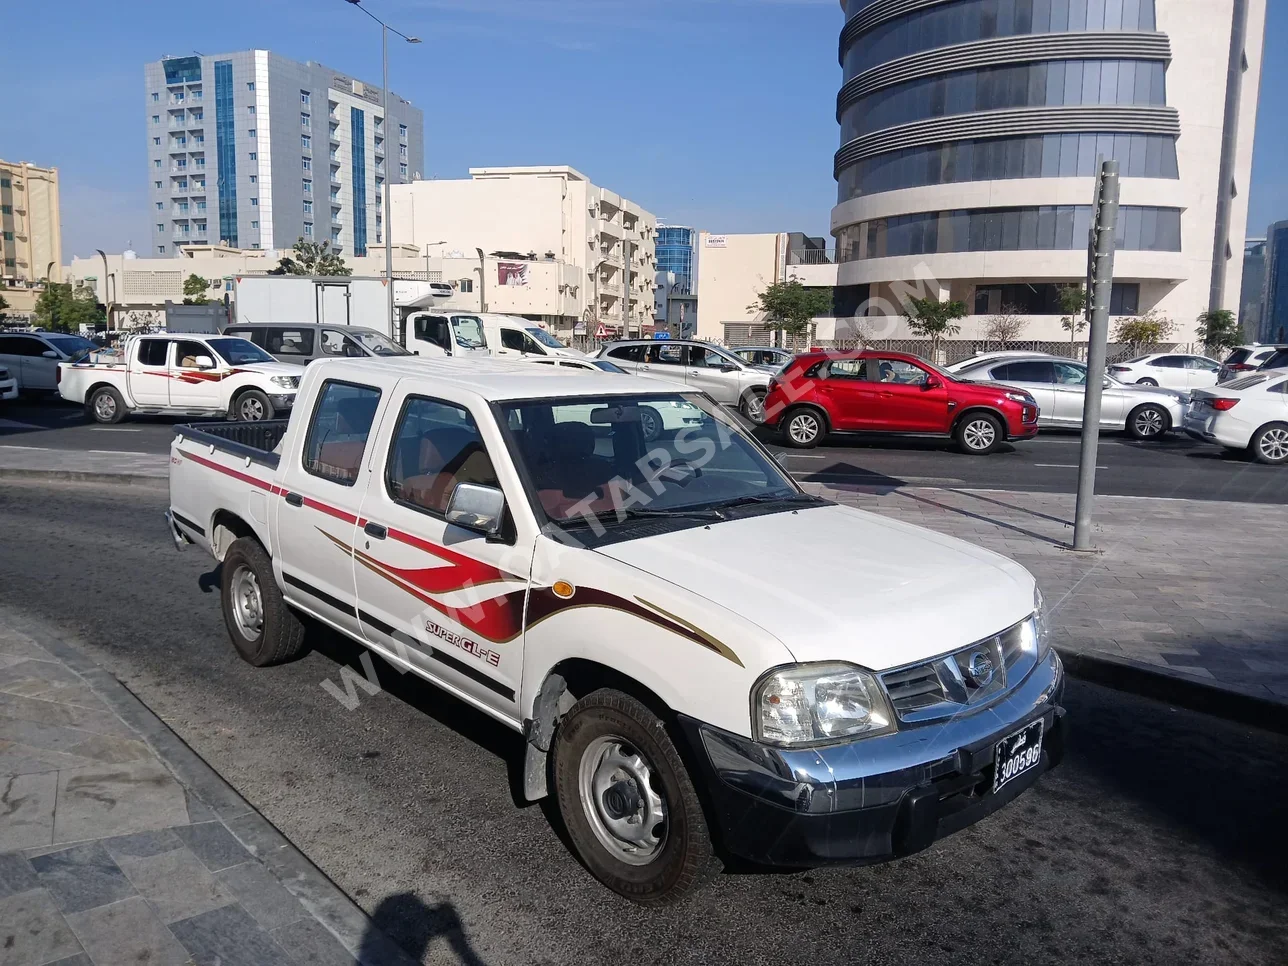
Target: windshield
{"type": "Point", "coordinates": [595, 462]}
{"type": "Point", "coordinates": [607, 366]}
{"type": "Point", "coordinates": [469, 331]}
{"type": "Point", "coordinates": [238, 352]}
{"type": "Point", "coordinates": [545, 338]}
{"type": "Point", "coordinates": [1238, 356]}
{"type": "Point", "coordinates": [377, 344]}
{"type": "Point", "coordinates": [72, 346]}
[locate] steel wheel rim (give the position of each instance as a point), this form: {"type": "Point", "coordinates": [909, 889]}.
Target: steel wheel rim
{"type": "Point", "coordinates": [803, 428]}
{"type": "Point", "coordinates": [627, 815]}
{"type": "Point", "coordinates": [1149, 422]}
{"type": "Point", "coordinates": [1274, 444]}
{"type": "Point", "coordinates": [979, 434]}
{"type": "Point", "coordinates": [104, 405]}
{"type": "Point", "coordinates": [247, 602]}
{"type": "Point", "coordinates": [649, 425]}
{"type": "Point", "coordinates": [756, 408]}
{"type": "Point", "coordinates": [252, 410]}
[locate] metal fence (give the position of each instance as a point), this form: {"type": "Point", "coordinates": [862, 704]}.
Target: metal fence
{"type": "Point", "coordinates": [958, 350]}
{"type": "Point", "coordinates": [811, 256]}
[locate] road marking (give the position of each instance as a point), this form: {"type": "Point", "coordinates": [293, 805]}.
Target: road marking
{"type": "Point", "coordinates": [1064, 466]}
{"type": "Point", "coordinates": [800, 456]}
{"type": "Point", "coordinates": [115, 429]}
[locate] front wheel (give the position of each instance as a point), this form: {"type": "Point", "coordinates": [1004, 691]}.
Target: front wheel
{"type": "Point", "coordinates": [252, 406]}
{"type": "Point", "coordinates": [105, 406]}
{"type": "Point", "coordinates": [1270, 444]}
{"type": "Point", "coordinates": [802, 428]}
{"type": "Point", "coordinates": [631, 811]}
{"type": "Point", "coordinates": [979, 434]}
{"type": "Point", "coordinates": [752, 406]}
{"type": "Point", "coordinates": [264, 630]}
{"type": "Point", "coordinates": [650, 423]}
{"type": "Point", "coordinates": [1147, 382]}
{"type": "Point", "coordinates": [1148, 422]}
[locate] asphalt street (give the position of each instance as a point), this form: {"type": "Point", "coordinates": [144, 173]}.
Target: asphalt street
{"type": "Point", "coordinates": [1160, 840]}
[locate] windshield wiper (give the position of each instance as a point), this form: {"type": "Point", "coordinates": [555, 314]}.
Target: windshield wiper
{"type": "Point", "coordinates": [643, 513]}
{"type": "Point", "coordinates": [801, 498]}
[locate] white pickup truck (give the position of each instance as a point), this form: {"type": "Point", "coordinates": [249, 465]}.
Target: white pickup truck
{"type": "Point", "coordinates": [180, 375]}
{"type": "Point", "coordinates": [703, 660]}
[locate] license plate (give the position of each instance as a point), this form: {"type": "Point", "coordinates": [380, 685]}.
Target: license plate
{"type": "Point", "coordinates": [1017, 754]}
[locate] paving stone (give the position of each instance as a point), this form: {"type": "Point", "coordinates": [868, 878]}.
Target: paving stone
{"type": "Point", "coordinates": [16, 874]}
{"type": "Point", "coordinates": [78, 960]}
{"type": "Point", "coordinates": [228, 936]}
{"type": "Point", "coordinates": [108, 800]}
{"type": "Point", "coordinates": [126, 933]}
{"type": "Point", "coordinates": [213, 844]}
{"type": "Point", "coordinates": [143, 845]}
{"type": "Point", "coordinates": [27, 810]}
{"type": "Point", "coordinates": [176, 884]}
{"type": "Point", "coordinates": [67, 715]}
{"type": "Point", "coordinates": [82, 877]}
{"type": "Point", "coordinates": [260, 894]}
{"type": "Point", "coordinates": [309, 942]}
{"type": "Point", "coordinates": [85, 745]}
{"type": "Point", "coordinates": [32, 930]}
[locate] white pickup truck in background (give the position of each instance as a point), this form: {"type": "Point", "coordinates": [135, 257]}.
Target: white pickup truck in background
{"type": "Point", "coordinates": [645, 612]}
{"type": "Point", "coordinates": [180, 375]}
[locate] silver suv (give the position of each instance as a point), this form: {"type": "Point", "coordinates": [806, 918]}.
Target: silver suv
{"type": "Point", "coordinates": [710, 368]}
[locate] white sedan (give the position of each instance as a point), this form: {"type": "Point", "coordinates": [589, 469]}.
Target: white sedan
{"type": "Point", "coordinates": [1248, 413]}
{"type": "Point", "coordinates": [656, 418]}
{"type": "Point", "coordinates": [1171, 370]}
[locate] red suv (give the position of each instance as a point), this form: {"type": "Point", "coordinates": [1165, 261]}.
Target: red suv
{"type": "Point", "coordinates": [893, 392]}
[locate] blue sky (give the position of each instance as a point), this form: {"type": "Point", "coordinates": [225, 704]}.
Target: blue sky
{"type": "Point", "coordinates": [713, 113]}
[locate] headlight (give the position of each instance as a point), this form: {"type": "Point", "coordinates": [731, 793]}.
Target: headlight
{"type": "Point", "coordinates": [285, 382]}
{"type": "Point", "coordinates": [1033, 632]}
{"type": "Point", "coordinates": [1021, 397]}
{"type": "Point", "coordinates": [815, 703]}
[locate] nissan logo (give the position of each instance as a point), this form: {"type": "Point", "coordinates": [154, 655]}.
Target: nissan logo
{"type": "Point", "coordinates": [979, 669]}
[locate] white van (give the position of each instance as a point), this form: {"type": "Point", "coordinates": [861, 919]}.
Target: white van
{"type": "Point", "coordinates": [446, 333]}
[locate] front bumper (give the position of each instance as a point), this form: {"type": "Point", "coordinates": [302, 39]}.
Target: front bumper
{"type": "Point", "coordinates": [285, 401]}
{"type": "Point", "coordinates": [874, 799]}
{"type": "Point", "coordinates": [8, 388]}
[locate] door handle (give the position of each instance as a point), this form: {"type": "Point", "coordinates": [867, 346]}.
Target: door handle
{"type": "Point", "coordinates": [295, 499]}
{"type": "Point", "coordinates": [375, 530]}
{"type": "Point", "coordinates": [887, 394]}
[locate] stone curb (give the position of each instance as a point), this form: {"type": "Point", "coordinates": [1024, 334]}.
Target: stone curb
{"type": "Point", "coordinates": [82, 476]}
{"type": "Point", "coordinates": [319, 896]}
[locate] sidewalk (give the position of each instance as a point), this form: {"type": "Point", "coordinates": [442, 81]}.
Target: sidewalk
{"type": "Point", "coordinates": [118, 844]}
{"type": "Point", "coordinates": [25, 462]}
{"type": "Point", "coordinates": [1188, 593]}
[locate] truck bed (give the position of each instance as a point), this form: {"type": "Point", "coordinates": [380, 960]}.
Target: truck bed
{"type": "Point", "coordinates": [253, 441]}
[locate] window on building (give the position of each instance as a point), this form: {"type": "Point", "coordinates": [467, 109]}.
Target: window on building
{"type": "Point", "coordinates": [254, 202]}
{"type": "Point", "coordinates": [380, 124]}
{"type": "Point", "coordinates": [307, 186]}
{"type": "Point", "coordinates": [402, 131]}
{"type": "Point", "coordinates": [156, 118]}
{"type": "Point", "coordinates": [9, 263]}
{"type": "Point", "coordinates": [308, 207]}
{"type": "Point", "coordinates": [402, 170]}
{"type": "Point", "coordinates": [402, 150]}
{"type": "Point", "coordinates": [156, 141]}
{"type": "Point", "coordinates": [156, 162]}
{"type": "Point", "coordinates": [160, 205]}
{"type": "Point", "coordinates": [306, 142]}
{"type": "Point", "coordinates": [155, 97]}
{"type": "Point", "coordinates": [250, 108]}
{"type": "Point", "coordinates": [157, 185]}
{"type": "Point", "coordinates": [160, 249]}
{"type": "Point", "coordinates": [308, 229]}
{"type": "Point", "coordinates": [198, 116]}
{"type": "Point", "coordinates": [467, 285]}
{"type": "Point", "coordinates": [160, 227]}
{"type": "Point", "coordinates": [254, 224]}
{"type": "Point", "coordinates": [335, 194]}
{"type": "Point", "coordinates": [304, 120]}
{"type": "Point", "coordinates": [181, 163]}
{"type": "Point", "coordinates": [250, 86]}
{"type": "Point", "coordinates": [182, 184]}
{"type": "Point", "coordinates": [251, 132]}
{"type": "Point", "coordinates": [254, 179]}
{"type": "Point", "coordinates": [305, 98]}
{"type": "Point", "coordinates": [8, 236]}
{"type": "Point", "coordinates": [5, 183]}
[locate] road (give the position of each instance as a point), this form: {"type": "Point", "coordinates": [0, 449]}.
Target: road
{"type": "Point", "coordinates": [1160, 840]}
{"type": "Point", "coordinates": [1176, 467]}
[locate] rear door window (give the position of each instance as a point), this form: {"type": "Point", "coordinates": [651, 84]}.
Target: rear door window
{"type": "Point", "coordinates": [338, 432]}
{"type": "Point", "coordinates": [663, 354]}
{"type": "Point", "coordinates": [627, 353]}
{"type": "Point", "coordinates": [1042, 372]}
{"type": "Point", "coordinates": [288, 342]}
{"type": "Point", "coordinates": [848, 369]}
{"type": "Point", "coordinates": [152, 352]}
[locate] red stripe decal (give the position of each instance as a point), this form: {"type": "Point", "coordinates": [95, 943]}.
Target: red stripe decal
{"type": "Point", "coordinates": [329, 510]}
{"type": "Point", "coordinates": [229, 471]}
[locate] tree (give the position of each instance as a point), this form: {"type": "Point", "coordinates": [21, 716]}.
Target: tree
{"type": "Point", "coordinates": [1072, 300]}
{"type": "Point", "coordinates": [1006, 325]}
{"type": "Point", "coordinates": [932, 319]}
{"type": "Point", "coordinates": [194, 290]}
{"type": "Point", "coordinates": [4, 304]}
{"type": "Point", "coordinates": [1218, 330]}
{"type": "Point", "coordinates": [60, 308]}
{"type": "Point", "coordinates": [1144, 330]}
{"type": "Point", "coordinates": [789, 306]}
{"type": "Point", "coordinates": [312, 258]}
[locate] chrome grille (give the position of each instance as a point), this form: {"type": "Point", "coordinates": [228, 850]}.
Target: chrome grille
{"type": "Point", "coordinates": [948, 684]}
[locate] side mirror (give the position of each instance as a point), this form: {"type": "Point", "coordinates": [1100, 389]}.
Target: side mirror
{"type": "Point", "coordinates": [933, 383]}
{"type": "Point", "coordinates": [476, 507]}
{"type": "Point", "coordinates": [205, 362]}
{"type": "Point", "coordinates": [729, 367]}
{"type": "Point", "coordinates": [50, 354]}
{"type": "Point", "coordinates": [1106, 384]}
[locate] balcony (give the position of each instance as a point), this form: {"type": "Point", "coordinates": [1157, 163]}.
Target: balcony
{"type": "Point", "coordinates": [609, 228]}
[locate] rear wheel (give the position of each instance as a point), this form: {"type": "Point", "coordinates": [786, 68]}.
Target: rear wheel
{"type": "Point", "coordinates": [1147, 382]}
{"type": "Point", "coordinates": [631, 811]}
{"type": "Point", "coordinates": [264, 630]}
{"type": "Point", "coordinates": [1148, 422]}
{"type": "Point", "coordinates": [979, 434]}
{"type": "Point", "coordinates": [650, 423]}
{"type": "Point", "coordinates": [1270, 444]}
{"type": "Point", "coordinates": [803, 428]}
{"type": "Point", "coordinates": [252, 406]}
{"type": "Point", "coordinates": [753, 405]}
{"type": "Point", "coordinates": [105, 405]}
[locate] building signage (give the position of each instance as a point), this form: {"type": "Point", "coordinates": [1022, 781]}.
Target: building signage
{"type": "Point", "coordinates": [512, 273]}
{"type": "Point", "coordinates": [717, 241]}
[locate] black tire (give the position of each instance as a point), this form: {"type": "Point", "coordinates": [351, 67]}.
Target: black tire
{"type": "Point", "coordinates": [105, 405]}
{"type": "Point", "coordinates": [752, 406]}
{"type": "Point", "coordinates": [979, 434]}
{"type": "Point", "coordinates": [1147, 382]}
{"type": "Point", "coordinates": [650, 423]}
{"type": "Point", "coordinates": [251, 406]}
{"type": "Point", "coordinates": [685, 857]}
{"type": "Point", "coordinates": [1148, 421]}
{"type": "Point", "coordinates": [1269, 444]}
{"type": "Point", "coordinates": [803, 427]}
{"type": "Point", "coordinates": [280, 635]}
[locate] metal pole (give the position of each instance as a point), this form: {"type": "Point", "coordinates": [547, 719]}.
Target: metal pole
{"type": "Point", "coordinates": [1106, 221]}
{"type": "Point", "coordinates": [482, 282]}
{"type": "Point", "coordinates": [626, 287]}
{"type": "Point", "coordinates": [384, 217]}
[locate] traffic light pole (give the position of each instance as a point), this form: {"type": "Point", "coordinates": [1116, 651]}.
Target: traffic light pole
{"type": "Point", "coordinates": [1101, 278]}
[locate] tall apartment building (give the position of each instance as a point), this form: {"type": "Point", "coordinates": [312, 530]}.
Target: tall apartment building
{"type": "Point", "coordinates": [1253, 288]}
{"type": "Point", "coordinates": [542, 214]}
{"type": "Point", "coordinates": [675, 254]}
{"type": "Point", "coordinates": [31, 240]}
{"type": "Point", "coordinates": [1273, 325]}
{"type": "Point", "coordinates": [253, 150]}
{"type": "Point", "coordinates": [970, 131]}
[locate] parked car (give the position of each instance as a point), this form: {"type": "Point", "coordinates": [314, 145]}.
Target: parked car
{"type": "Point", "coordinates": [1171, 370]}
{"type": "Point", "coordinates": [439, 333]}
{"type": "Point", "coordinates": [300, 344]}
{"type": "Point", "coordinates": [188, 375]}
{"type": "Point", "coordinates": [656, 420]}
{"type": "Point", "coordinates": [893, 392]}
{"type": "Point", "coordinates": [32, 358]}
{"type": "Point", "coordinates": [990, 356]}
{"type": "Point", "coordinates": [759, 355]}
{"type": "Point", "coordinates": [8, 385]}
{"type": "Point", "coordinates": [1059, 385]}
{"type": "Point", "coordinates": [513, 539]}
{"type": "Point", "coordinates": [1249, 413]}
{"type": "Point", "coordinates": [1245, 358]}
{"type": "Point", "coordinates": [710, 368]}
{"type": "Point", "coordinates": [1276, 360]}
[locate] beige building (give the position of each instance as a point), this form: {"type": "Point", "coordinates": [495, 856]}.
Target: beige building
{"type": "Point", "coordinates": [546, 216]}
{"type": "Point", "coordinates": [31, 245]}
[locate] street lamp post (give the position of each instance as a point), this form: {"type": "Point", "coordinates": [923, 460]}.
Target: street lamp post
{"type": "Point", "coordinates": [387, 220]}
{"type": "Point", "coordinates": [428, 246]}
